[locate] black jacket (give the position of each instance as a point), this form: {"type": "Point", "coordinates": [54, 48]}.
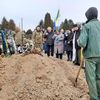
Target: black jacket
{"type": "Point", "coordinates": [69, 42]}
{"type": "Point", "coordinates": [50, 40]}
{"type": "Point", "coordinates": [76, 38]}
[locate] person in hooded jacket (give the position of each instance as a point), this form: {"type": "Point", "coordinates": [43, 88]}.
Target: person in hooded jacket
{"type": "Point", "coordinates": [89, 40]}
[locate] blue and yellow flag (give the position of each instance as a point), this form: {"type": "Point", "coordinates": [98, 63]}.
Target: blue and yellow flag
{"type": "Point", "coordinates": [56, 20]}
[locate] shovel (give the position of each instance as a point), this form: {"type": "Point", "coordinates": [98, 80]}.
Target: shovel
{"type": "Point", "coordinates": [81, 65]}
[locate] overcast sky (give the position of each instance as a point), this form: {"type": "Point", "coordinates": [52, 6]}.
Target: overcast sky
{"type": "Point", "coordinates": [32, 11]}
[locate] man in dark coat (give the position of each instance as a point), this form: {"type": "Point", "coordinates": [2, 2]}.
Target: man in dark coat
{"type": "Point", "coordinates": [77, 47]}
{"type": "Point", "coordinates": [69, 44]}
{"type": "Point", "coordinates": [50, 42]}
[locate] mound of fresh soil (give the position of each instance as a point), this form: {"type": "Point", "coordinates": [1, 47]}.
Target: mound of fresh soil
{"type": "Point", "coordinates": [34, 77]}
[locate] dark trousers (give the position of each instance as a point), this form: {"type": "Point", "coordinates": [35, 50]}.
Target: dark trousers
{"type": "Point", "coordinates": [69, 55]}
{"type": "Point", "coordinates": [50, 50]}
{"type": "Point", "coordinates": [59, 56]}
{"type": "Point", "coordinates": [78, 54]}
{"type": "Point", "coordinates": [0, 51]}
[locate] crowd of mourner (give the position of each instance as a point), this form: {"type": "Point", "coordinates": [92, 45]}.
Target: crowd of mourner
{"type": "Point", "coordinates": [56, 43]}
{"type": "Point", "coordinates": [61, 43]}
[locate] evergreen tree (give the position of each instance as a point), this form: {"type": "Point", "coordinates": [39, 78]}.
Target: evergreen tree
{"type": "Point", "coordinates": [41, 24]}
{"type": "Point", "coordinates": [12, 25]}
{"type": "Point", "coordinates": [8, 25]}
{"type": "Point", "coordinates": [67, 24]}
{"type": "Point", "coordinates": [48, 21]}
{"type": "Point", "coordinates": [4, 23]}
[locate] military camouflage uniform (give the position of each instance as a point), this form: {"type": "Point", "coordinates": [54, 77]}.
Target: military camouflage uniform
{"type": "Point", "coordinates": [38, 40]}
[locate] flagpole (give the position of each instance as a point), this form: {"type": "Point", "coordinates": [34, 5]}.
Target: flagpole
{"type": "Point", "coordinates": [22, 29]}
{"type": "Point", "coordinates": [22, 24]}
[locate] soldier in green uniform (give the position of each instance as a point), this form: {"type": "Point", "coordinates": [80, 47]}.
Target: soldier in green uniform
{"type": "Point", "coordinates": [38, 39]}
{"type": "Point", "coordinates": [90, 41]}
